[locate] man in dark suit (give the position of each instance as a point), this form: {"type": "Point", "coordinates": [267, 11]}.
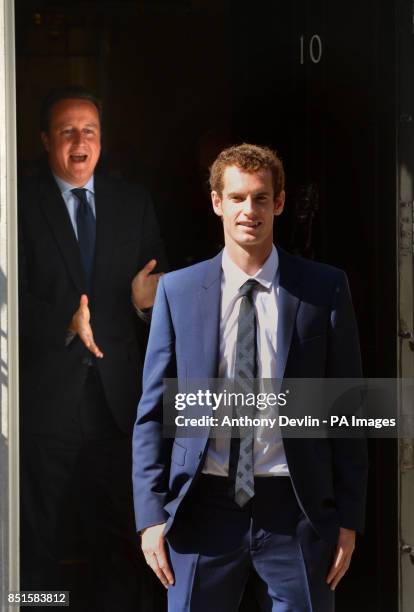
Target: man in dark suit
{"type": "Point", "coordinates": [88, 247]}
{"type": "Point", "coordinates": [287, 509]}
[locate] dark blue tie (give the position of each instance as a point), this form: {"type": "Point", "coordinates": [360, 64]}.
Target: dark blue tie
{"type": "Point", "coordinates": [86, 224]}
{"type": "Point", "coordinates": [241, 472]}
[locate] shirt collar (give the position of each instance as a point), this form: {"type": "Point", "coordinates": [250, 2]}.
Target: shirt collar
{"type": "Point", "coordinates": [234, 277]}
{"type": "Point", "coordinates": [66, 187]}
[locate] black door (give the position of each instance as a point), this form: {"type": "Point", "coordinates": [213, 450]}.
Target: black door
{"type": "Point", "coordinates": [315, 79]}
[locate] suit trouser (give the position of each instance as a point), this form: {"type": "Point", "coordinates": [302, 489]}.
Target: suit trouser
{"type": "Point", "coordinates": [88, 467]}
{"type": "Point", "coordinates": [214, 545]}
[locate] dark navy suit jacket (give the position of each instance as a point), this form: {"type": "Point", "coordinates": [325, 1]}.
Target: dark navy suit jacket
{"type": "Point", "coordinates": [51, 281]}
{"type": "Point", "coordinates": [317, 338]}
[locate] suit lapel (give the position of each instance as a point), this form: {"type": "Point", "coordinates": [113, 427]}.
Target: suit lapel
{"type": "Point", "coordinates": [209, 297]}
{"type": "Point", "coordinates": [106, 221]}
{"type": "Point", "coordinates": [288, 303]}
{"type": "Point", "coordinates": [55, 211]}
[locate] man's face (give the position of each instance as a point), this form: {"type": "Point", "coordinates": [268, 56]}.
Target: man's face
{"type": "Point", "coordinates": [247, 207]}
{"type": "Point", "coordinates": [73, 141]}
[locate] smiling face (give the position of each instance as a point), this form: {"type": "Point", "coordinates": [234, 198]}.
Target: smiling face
{"type": "Point", "coordinates": [247, 206]}
{"type": "Point", "coordinates": [73, 141]}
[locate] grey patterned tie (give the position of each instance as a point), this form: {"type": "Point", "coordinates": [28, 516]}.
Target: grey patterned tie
{"type": "Point", "coordinates": [241, 473]}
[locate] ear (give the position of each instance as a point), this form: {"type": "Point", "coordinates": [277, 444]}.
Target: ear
{"type": "Point", "coordinates": [45, 140]}
{"type": "Point", "coordinates": [279, 203]}
{"type": "Point", "coordinates": [216, 200]}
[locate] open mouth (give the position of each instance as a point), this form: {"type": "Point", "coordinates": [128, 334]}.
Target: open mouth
{"type": "Point", "coordinates": [78, 159]}
{"type": "Point", "coordinates": [250, 224]}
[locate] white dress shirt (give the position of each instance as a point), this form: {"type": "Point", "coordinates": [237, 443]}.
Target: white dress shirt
{"type": "Point", "coordinates": [268, 451]}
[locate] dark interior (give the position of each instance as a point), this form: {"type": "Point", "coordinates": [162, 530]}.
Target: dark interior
{"type": "Point", "coordinates": [316, 79]}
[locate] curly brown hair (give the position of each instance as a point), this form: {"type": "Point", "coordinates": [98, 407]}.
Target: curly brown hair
{"type": "Point", "coordinates": [249, 158]}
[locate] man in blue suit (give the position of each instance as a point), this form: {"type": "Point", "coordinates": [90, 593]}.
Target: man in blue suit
{"type": "Point", "coordinates": [212, 510]}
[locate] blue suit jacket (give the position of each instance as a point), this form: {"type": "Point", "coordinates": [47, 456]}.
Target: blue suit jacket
{"type": "Point", "coordinates": [317, 338]}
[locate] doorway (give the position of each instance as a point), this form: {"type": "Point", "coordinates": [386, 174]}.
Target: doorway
{"type": "Point", "coordinates": [179, 80]}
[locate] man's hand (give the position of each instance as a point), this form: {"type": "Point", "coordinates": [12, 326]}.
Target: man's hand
{"type": "Point", "coordinates": [153, 547]}
{"type": "Point", "coordinates": [80, 325]}
{"type": "Point", "coordinates": [344, 550]}
{"type": "Point", "coordinates": [144, 286]}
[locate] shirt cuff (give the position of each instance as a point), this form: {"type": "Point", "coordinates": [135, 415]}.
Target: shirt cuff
{"type": "Point", "coordinates": [69, 337]}
{"type": "Point", "coordinates": [144, 315]}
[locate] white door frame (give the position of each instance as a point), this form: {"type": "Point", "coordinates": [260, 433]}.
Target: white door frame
{"type": "Point", "coordinates": [9, 413]}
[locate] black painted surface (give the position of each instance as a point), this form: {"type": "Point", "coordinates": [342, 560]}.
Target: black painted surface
{"type": "Point", "coordinates": [181, 79]}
